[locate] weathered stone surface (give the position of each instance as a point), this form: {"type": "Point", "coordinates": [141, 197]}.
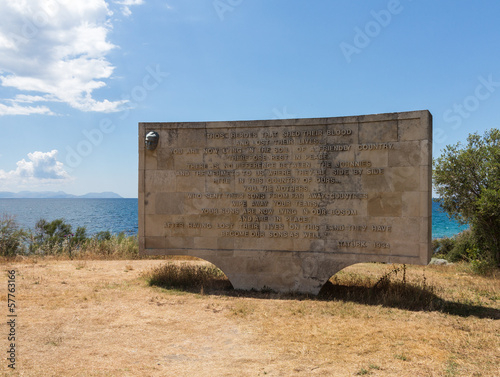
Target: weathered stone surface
{"type": "Point", "coordinates": [285, 204]}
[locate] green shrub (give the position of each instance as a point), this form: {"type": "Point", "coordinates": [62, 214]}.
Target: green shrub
{"type": "Point", "coordinates": [465, 247]}
{"type": "Point", "coordinates": [467, 179]}
{"type": "Point", "coordinates": [79, 237]}
{"type": "Point", "coordinates": [481, 266]}
{"type": "Point", "coordinates": [463, 242]}
{"type": "Point", "coordinates": [103, 236]}
{"type": "Point", "coordinates": [57, 238]}
{"type": "Point", "coordinates": [442, 246]}
{"type": "Point", "coordinates": [12, 239]}
{"type": "Point", "coordinates": [106, 245]}
{"type": "Point", "coordinates": [50, 236]}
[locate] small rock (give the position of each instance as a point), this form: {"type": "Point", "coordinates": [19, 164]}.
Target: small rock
{"type": "Point", "coordinates": [440, 262]}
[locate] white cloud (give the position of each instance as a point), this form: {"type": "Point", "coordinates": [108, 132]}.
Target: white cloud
{"type": "Point", "coordinates": [55, 51]}
{"type": "Point", "coordinates": [41, 168]}
{"type": "Point", "coordinates": [17, 109]}
{"type": "Point", "coordinates": [126, 5]}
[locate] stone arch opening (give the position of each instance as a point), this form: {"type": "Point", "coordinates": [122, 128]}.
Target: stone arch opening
{"type": "Point", "coordinates": [213, 278]}
{"type": "Point", "coordinates": [328, 288]}
{"type": "Point", "coordinates": [221, 268]}
{"type": "Point", "coordinates": [318, 270]}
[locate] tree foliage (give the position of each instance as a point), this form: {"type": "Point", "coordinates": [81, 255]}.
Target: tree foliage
{"type": "Point", "coordinates": [467, 179]}
{"type": "Point", "coordinates": [57, 238]}
{"type": "Point", "coordinates": [11, 237]}
{"type": "Point", "coordinates": [55, 234]}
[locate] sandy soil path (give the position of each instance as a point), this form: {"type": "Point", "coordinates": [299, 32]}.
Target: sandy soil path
{"type": "Point", "coordinates": [99, 318]}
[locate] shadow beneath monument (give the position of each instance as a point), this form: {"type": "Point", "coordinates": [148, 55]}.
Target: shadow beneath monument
{"type": "Point", "coordinates": [403, 296]}
{"type": "Point", "coordinates": [385, 292]}
{"type": "Point", "coordinates": [398, 295]}
{"type": "Point", "coordinates": [394, 295]}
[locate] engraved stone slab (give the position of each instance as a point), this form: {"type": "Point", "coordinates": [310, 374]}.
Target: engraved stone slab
{"type": "Point", "coordinates": [285, 204]}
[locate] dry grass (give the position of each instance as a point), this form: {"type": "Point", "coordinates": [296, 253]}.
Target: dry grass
{"type": "Point", "coordinates": [101, 318]}
{"type": "Point", "coordinates": [188, 276]}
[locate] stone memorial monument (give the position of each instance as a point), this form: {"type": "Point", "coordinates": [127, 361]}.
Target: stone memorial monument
{"type": "Point", "coordinates": [285, 204]}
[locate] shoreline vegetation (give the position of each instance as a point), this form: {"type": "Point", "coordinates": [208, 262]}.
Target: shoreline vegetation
{"type": "Point", "coordinates": [56, 239]}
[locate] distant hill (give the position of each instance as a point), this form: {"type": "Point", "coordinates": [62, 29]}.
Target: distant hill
{"type": "Point", "coordinates": [57, 195]}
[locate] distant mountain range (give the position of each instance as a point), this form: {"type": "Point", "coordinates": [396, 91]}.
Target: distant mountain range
{"type": "Point", "coordinates": [57, 195]}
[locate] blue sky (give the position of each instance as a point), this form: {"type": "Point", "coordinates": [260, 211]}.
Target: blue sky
{"type": "Point", "coordinates": [76, 76]}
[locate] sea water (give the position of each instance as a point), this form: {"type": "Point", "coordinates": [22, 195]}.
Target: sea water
{"type": "Point", "coordinates": [96, 215]}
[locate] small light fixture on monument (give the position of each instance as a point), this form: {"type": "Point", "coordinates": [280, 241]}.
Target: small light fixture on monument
{"type": "Point", "coordinates": [152, 140]}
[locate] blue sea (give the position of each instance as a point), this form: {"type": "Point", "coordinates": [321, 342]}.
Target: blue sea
{"type": "Point", "coordinates": [115, 215]}
{"type": "Point", "coordinates": [121, 215]}
{"type": "Point", "coordinates": [442, 225]}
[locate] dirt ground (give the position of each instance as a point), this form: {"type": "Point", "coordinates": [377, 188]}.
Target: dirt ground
{"type": "Point", "coordinates": [100, 318]}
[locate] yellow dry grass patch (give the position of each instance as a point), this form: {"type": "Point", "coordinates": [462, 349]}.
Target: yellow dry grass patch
{"type": "Point", "coordinates": [99, 318]}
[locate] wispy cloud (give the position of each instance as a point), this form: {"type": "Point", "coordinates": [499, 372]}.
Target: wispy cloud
{"type": "Point", "coordinates": [40, 169]}
{"type": "Point", "coordinates": [126, 4]}
{"type": "Point", "coordinates": [17, 109]}
{"type": "Point", "coordinates": [55, 51]}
